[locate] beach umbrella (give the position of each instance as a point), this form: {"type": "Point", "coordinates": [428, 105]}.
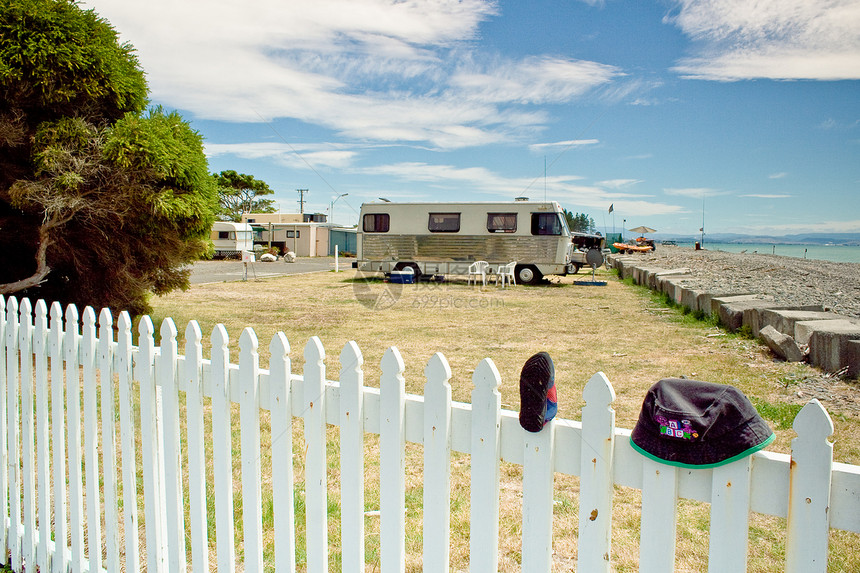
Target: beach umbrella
{"type": "Point", "coordinates": [642, 230]}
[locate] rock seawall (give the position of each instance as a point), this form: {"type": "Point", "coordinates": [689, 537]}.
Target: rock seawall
{"type": "Point", "coordinates": [815, 302]}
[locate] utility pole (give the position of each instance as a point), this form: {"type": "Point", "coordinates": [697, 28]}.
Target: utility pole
{"type": "Point", "coordinates": [302, 200]}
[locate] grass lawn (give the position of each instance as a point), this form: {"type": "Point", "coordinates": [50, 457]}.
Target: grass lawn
{"type": "Point", "coordinates": [620, 329]}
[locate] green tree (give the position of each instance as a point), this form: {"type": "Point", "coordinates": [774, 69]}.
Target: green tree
{"type": "Point", "coordinates": [239, 194]}
{"type": "Point", "coordinates": [100, 204]}
{"type": "Point", "coordinates": [580, 222]}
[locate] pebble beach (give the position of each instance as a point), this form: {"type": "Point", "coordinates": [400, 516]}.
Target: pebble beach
{"type": "Point", "coordinates": [790, 281]}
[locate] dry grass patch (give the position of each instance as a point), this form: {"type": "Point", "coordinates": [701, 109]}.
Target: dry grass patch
{"type": "Point", "coordinates": [621, 330]}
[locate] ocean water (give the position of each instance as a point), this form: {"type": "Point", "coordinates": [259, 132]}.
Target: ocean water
{"type": "Point", "coordinates": [836, 253]}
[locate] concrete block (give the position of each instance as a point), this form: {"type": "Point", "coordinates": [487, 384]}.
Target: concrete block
{"type": "Point", "coordinates": [690, 298]}
{"type": "Point", "coordinates": [732, 312]}
{"type": "Point", "coordinates": [853, 356]}
{"type": "Point", "coordinates": [782, 345]}
{"type": "Point", "coordinates": [718, 301]}
{"type": "Point", "coordinates": [829, 345]}
{"type": "Point", "coordinates": [803, 329]}
{"type": "Point", "coordinates": [754, 318]}
{"type": "Point", "coordinates": [784, 319]}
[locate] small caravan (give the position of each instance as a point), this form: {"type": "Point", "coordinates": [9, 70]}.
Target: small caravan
{"type": "Point", "coordinates": [230, 239]}
{"type": "Point", "coordinates": [445, 238]}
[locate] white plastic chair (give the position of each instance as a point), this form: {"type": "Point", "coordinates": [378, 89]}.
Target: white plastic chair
{"type": "Point", "coordinates": [478, 269]}
{"type": "Point", "coordinates": [506, 273]}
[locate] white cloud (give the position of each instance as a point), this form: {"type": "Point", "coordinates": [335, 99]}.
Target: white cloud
{"type": "Point", "coordinates": [618, 183]}
{"type": "Point", "coordinates": [299, 156]}
{"type": "Point", "coordinates": [696, 192]}
{"type": "Point", "coordinates": [767, 196]}
{"type": "Point", "coordinates": [777, 39]}
{"type": "Point", "coordinates": [370, 70]}
{"type": "Point", "coordinates": [781, 175]}
{"type": "Point", "coordinates": [563, 145]}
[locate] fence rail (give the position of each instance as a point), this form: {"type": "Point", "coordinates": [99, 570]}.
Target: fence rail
{"type": "Point", "coordinates": [77, 397]}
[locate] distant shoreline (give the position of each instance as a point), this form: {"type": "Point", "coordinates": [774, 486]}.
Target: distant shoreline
{"type": "Point", "coordinates": [809, 251]}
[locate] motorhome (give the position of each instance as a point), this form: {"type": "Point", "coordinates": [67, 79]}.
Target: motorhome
{"type": "Point", "coordinates": [440, 239]}
{"type": "Point", "coordinates": [231, 239]}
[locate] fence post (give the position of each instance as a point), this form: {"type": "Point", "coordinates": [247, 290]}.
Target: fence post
{"type": "Point", "coordinates": [149, 447]}
{"type": "Point", "coordinates": [392, 463]}
{"type": "Point", "coordinates": [437, 465]}
{"type": "Point", "coordinates": [127, 427]}
{"type": "Point", "coordinates": [316, 486]}
{"type": "Point", "coordinates": [13, 478]}
{"type": "Point", "coordinates": [485, 448]}
{"type": "Point", "coordinates": [249, 418]}
{"type": "Point", "coordinates": [730, 505]}
{"type": "Point", "coordinates": [659, 517]}
{"type": "Point", "coordinates": [73, 425]}
{"type": "Point", "coordinates": [59, 561]}
{"type": "Point", "coordinates": [596, 476]}
{"type": "Point", "coordinates": [538, 473]}
{"type": "Point", "coordinates": [352, 458]}
{"type": "Point", "coordinates": [89, 358]}
{"type": "Point", "coordinates": [109, 472]}
{"type": "Point", "coordinates": [43, 436]}
{"type": "Point", "coordinates": [281, 416]}
{"type": "Point", "coordinates": [222, 461]}
{"type": "Point", "coordinates": [808, 525]}
{"type": "Point", "coordinates": [192, 381]}
{"type": "Point", "coordinates": [4, 483]}
{"type": "Point", "coordinates": [28, 473]}
{"type": "Point", "coordinates": [167, 376]}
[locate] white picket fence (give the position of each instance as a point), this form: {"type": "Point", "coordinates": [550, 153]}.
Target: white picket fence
{"type": "Point", "coordinates": [54, 488]}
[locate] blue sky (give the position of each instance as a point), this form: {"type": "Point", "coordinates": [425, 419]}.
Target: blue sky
{"type": "Point", "coordinates": [745, 112]}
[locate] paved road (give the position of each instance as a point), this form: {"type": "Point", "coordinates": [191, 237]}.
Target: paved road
{"type": "Point", "coordinates": [220, 271]}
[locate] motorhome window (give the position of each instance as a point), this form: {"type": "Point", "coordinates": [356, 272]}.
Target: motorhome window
{"type": "Point", "coordinates": [376, 222]}
{"type": "Point", "coordinates": [444, 223]}
{"type": "Point", "coordinates": [546, 224]}
{"type": "Point", "coordinates": [502, 222]}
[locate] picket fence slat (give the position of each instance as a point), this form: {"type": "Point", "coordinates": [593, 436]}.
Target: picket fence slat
{"type": "Point", "coordinates": [659, 518]}
{"type": "Point", "coordinates": [60, 376]}
{"type": "Point", "coordinates": [5, 368]}
{"type": "Point", "coordinates": [89, 357]}
{"type": "Point", "coordinates": [42, 434]}
{"type": "Point", "coordinates": [222, 465]}
{"type": "Point", "coordinates": [28, 466]}
{"type": "Point", "coordinates": [249, 423]}
{"type": "Point", "coordinates": [316, 483]}
{"type": "Point", "coordinates": [166, 372]}
{"type": "Point", "coordinates": [59, 561]}
{"type": "Point", "coordinates": [437, 465]}
{"type": "Point", "coordinates": [484, 494]}
{"type": "Point", "coordinates": [283, 486]}
{"type": "Point", "coordinates": [12, 450]}
{"type": "Point", "coordinates": [108, 440]}
{"type": "Point", "coordinates": [192, 380]}
{"type": "Point", "coordinates": [352, 430]}
{"type": "Point", "coordinates": [127, 424]}
{"type": "Point", "coordinates": [596, 476]}
{"type": "Point", "coordinates": [392, 463]}
{"type": "Point", "coordinates": [73, 429]}
{"type": "Point", "coordinates": [537, 498]}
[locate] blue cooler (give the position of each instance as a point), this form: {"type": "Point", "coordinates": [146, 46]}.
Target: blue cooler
{"type": "Point", "coordinates": [404, 277]}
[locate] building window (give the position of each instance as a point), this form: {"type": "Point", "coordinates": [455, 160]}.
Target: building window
{"type": "Point", "coordinates": [444, 223]}
{"type": "Point", "coordinates": [223, 234]}
{"type": "Point", "coordinates": [546, 224]}
{"type": "Point", "coordinates": [294, 234]}
{"type": "Point", "coordinates": [376, 223]}
{"type": "Point", "coordinates": [502, 222]}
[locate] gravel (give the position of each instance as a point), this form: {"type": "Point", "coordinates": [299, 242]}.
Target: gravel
{"type": "Point", "coordinates": [789, 280]}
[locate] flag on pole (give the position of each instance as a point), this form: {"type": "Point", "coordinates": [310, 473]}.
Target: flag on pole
{"type": "Point", "coordinates": [612, 207]}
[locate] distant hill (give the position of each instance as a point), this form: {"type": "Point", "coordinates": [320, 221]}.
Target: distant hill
{"type": "Point", "coordinates": [849, 239]}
